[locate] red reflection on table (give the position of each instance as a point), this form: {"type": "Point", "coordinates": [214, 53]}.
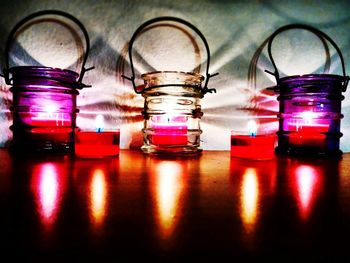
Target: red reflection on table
{"type": "Point", "coordinates": [47, 184]}
{"type": "Point", "coordinates": [95, 176]}
{"type": "Point", "coordinates": [265, 173]}
{"type": "Point", "coordinates": [167, 183]}
{"type": "Point", "coordinates": [307, 185]}
{"type": "Point", "coordinates": [249, 198]}
{"type": "Point", "coordinates": [98, 194]}
{"type": "Point", "coordinates": [256, 183]}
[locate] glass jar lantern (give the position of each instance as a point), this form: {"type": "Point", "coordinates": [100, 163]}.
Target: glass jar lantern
{"type": "Point", "coordinates": [172, 108]}
{"type": "Point", "coordinates": [44, 98]}
{"type": "Point", "coordinates": [309, 106]}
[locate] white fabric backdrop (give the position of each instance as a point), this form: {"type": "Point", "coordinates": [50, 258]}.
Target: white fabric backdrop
{"type": "Point", "coordinates": [234, 30]}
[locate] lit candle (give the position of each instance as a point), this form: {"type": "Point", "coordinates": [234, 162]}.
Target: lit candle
{"type": "Point", "coordinates": [305, 131]}
{"type": "Point", "coordinates": [98, 143]}
{"type": "Point", "coordinates": [252, 146]}
{"type": "Point", "coordinates": [48, 126]}
{"type": "Point", "coordinates": [169, 130]}
{"type": "Point", "coordinates": [49, 117]}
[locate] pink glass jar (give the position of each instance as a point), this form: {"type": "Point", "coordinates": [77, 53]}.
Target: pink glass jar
{"type": "Point", "coordinates": [44, 98]}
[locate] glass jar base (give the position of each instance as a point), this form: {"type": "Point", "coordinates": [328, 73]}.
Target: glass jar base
{"type": "Point", "coordinates": [309, 152]}
{"type": "Point", "coordinates": [180, 150]}
{"type": "Point", "coordinates": [60, 141]}
{"type": "Point", "coordinates": [48, 147]}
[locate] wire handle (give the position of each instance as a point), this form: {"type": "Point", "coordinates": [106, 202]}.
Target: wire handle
{"type": "Point", "coordinates": [205, 89]}
{"type": "Point", "coordinates": [316, 32]}
{"type": "Point", "coordinates": [10, 39]}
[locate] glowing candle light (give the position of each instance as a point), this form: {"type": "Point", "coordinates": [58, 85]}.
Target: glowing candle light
{"type": "Point", "coordinates": [249, 198]}
{"type": "Point", "coordinates": [252, 127]}
{"type": "Point", "coordinates": [47, 188]}
{"type": "Point", "coordinates": [252, 146]}
{"type": "Point", "coordinates": [99, 123]}
{"type": "Point", "coordinates": [307, 185]}
{"type": "Point", "coordinates": [307, 130]}
{"type": "Point", "coordinates": [49, 116]}
{"type": "Point", "coordinates": [169, 130]}
{"type": "Point", "coordinates": [168, 189]}
{"type": "Point", "coordinates": [98, 143]}
{"type": "Point", "coordinates": [98, 197]}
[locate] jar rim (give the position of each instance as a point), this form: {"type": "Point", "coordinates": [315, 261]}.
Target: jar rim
{"type": "Point", "coordinates": [43, 70]}
{"type": "Point", "coordinates": [192, 76]}
{"type": "Point", "coordinates": [318, 77]}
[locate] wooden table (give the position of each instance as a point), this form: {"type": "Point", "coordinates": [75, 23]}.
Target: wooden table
{"type": "Point", "coordinates": [205, 208]}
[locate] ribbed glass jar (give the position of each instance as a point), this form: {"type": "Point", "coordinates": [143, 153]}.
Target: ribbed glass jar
{"type": "Point", "coordinates": [310, 114]}
{"type": "Point", "coordinates": [172, 112]}
{"type": "Point", "coordinates": [44, 108]}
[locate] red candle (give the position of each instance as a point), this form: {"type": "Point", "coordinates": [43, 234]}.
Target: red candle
{"type": "Point", "coordinates": [92, 144]}
{"type": "Point", "coordinates": [52, 134]}
{"type": "Point", "coordinates": [169, 130]}
{"type": "Point", "coordinates": [54, 119]}
{"type": "Point", "coordinates": [252, 146]}
{"type": "Point", "coordinates": [49, 126]}
{"type": "Point", "coordinates": [97, 144]}
{"type": "Point", "coordinates": [49, 117]}
{"type": "Point", "coordinates": [312, 135]}
{"type": "Point", "coordinates": [307, 132]}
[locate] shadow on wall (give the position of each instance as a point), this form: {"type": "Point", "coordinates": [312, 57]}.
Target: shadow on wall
{"type": "Point", "coordinates": [5, 99]}
{"type": "Point", "coordinates": [236, 97]}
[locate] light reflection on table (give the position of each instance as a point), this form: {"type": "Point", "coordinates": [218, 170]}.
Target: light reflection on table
{"type": "Point", "coordinates": [306, 184]}
{"type": "Point", "coordinates": [167, 184]}
{"type": "Point", "coordinates": [48, 183]}
{"type": "Point", "coordinates": [171, 207]}
{"type": "Point", "coordinates": [98, 197]}
{"type": "Point", "coordinates": [249, 198]}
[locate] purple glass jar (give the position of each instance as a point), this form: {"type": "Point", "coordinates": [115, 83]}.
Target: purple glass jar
{"type": "Point", "coordinates": [44, 99]}
{"type": "Point", "coordinates": [309, 107]}
{"type": "Point", "coordinates": [44, 108]}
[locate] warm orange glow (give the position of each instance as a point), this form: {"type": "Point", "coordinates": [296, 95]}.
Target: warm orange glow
{"type": "Point", "coordinates": [307, 180]}
{"type": "Point", "coordinates": [169, 186]}
{"type": "Point", "coordinates": [98, 197]}
{"type": "Point", "coordinates": [46, 187]}
{"type": "Point", "coordinates": [249, 198]}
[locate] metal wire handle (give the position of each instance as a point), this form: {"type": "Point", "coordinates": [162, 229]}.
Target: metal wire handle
{"type": "Point", "coordinates": [10, 40]}
{"type": "Point", "coordinates": [205, 89]}
{"type": "Point", "coordinates": [316, 32]}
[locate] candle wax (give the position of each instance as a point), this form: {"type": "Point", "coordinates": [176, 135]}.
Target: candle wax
{"type": "Point", "coordinates": [168, 132]}
{"type": "Point", "coordinates": [54, 134]}
{"type": "Point", "coordinates": [48, 119]}
{"type": "Point", "coordinates": [259, 147]}
{"type": "Point", "coordinates": [308, 134]}
{"type": "Point", "coordinates": [91, 144]}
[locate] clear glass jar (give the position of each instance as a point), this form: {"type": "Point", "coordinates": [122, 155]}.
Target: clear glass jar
{"type": "Point", "coordinates": [172, 112]}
